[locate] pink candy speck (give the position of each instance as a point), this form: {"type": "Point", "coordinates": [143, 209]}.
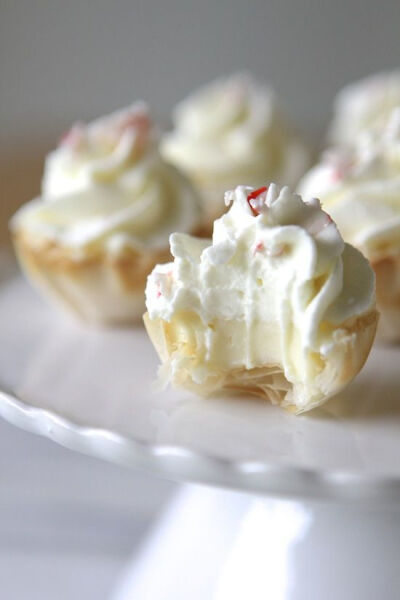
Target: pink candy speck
{"type": "Point", "coordinates": [72, 138]}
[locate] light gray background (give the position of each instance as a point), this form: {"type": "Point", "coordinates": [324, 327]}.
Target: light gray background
{"type": "Point", "coordinates": [67, 523]}
{"type": "Point", "coordinates": [62, 60]}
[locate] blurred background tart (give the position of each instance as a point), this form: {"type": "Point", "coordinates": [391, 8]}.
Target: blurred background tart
{"type": "Point", "coordinates": [233, 131]}
{"type": "Point", "coordinates": [108, 205]}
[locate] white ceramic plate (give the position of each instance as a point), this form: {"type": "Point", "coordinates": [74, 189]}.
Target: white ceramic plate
{"type": "Point", "coordinates": [90, 390]}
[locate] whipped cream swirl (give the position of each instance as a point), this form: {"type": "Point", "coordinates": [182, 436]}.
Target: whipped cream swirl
{"type": "Point", "coordinates": [232, 131]}
{"type": "Point", "coordinates": [278, 279]}
{"type": "Point", "coordinates": [107, 185]}
{"type": "Point", "coordinates": [360, 188]}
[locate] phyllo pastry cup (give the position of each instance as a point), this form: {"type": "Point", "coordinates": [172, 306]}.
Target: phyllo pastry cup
{"type": "Point", "coordinates": [275, 305]}
{"type": "Point", "coordinates": [109, 203]}
{"type": "Point", "coordinates": [100, 287]}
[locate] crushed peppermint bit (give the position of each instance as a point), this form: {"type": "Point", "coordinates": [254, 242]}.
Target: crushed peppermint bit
{"type": "Point", "coordinates": [253, 195]}
{"type": "Point", "coordinates": [272, 251]}
{"type": "Point", "coordinates": [341, 166]}
{"type": "Point", "coordinates": [319, 224]}
{"type": "Point", "coordinates": [137, 120]}
{"type": "Point", "coordinates": [159, 294]}
{"type": "Point", "coordinates": [338, 174]}
{"type": "Point", "coordinates": [106, 132]}
{"type": "Point", "coordinates": [73, 137]}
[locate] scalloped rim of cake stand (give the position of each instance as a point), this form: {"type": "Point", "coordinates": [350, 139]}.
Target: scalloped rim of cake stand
{"type": "Point", "coordinates": [181, 464]}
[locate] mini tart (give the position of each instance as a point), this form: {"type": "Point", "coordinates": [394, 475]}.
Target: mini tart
{"type": "Point", "coordinates": [277, 306]}
{"type": "Point", "coordinates": [231, 131]}
{"type": "Point", "coordinates": [109, 203]}
{"type": "Point", "coordinates": [360, 188]}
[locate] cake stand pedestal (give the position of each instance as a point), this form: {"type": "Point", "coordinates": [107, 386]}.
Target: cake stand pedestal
{"type": "Point", "coordinates": [224, 545]}
{"type": "Point", "coordinates": [293, 508]}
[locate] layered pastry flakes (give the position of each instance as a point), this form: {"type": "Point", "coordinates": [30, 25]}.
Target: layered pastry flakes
{"type": "Point", "coordinates": [360, 188]}
{"type": "Point", "coordinates": [276, 304]}
{"type": "Point", "coordinates": [364, 106]}
{"type": "Point", "coordinates": [109, 203]}
{"type": "Point", "coordinates": [230, 132]}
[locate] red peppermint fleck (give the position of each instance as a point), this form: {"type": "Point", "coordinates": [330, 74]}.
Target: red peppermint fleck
{"type": "Point", "coordinates": [338, 174]}
{"type": "Point", "coordinates": [137, 120]}
{"type": "Point", "coordinates": [72, 138]}
{"type": "Point", "coordinates": [64, 137]}
{"type": "Point", "coordinates": [319, 223]}
{"type": "Point", "coordinates": [253, 195]}
{"type": "Point", "coordinates": [259, 247]}
{"type": "Point", "coordinates": [342, 169]}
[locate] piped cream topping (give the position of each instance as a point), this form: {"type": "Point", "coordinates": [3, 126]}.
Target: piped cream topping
{"type": "Point", "coordinates": [276, 277]}
{"type": "Point", "coordinates": [360, 188]}
{"type": "Point", "coordinates": [106, 184]}
{"type": "Point", "coordinates": [363, 106]}
{"type": "Point", "coordinates": [232, 129]}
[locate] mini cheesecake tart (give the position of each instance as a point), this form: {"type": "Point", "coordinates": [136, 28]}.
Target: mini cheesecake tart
{"type": "Point", "coordinates": [109, 203]}
{"type": "Point", "coordinates": [276, 304]}
{"type": "Point", "coordinates": [233, 131]}
{"type": "Point", "coordinates": [360, 188]}
{"type": "Point", "coordinates": [363, 106]}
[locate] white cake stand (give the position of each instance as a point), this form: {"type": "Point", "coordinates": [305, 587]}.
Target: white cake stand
{"type": "Point", "coordinates": [336, 533]}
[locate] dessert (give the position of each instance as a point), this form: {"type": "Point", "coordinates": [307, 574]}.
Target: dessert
{"type": "Point", "coordinates": [364, 105]}
{"type": "Point", "coordinates": [230, 132]}
{"type": "Point", "coordinates": [109, 203]}
{"type": "Point", "coordinates": [360, 188]}
{"type": "Point", "coordinates": [276, 304]}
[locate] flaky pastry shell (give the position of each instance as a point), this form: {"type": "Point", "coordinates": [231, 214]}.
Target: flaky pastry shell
{"type": "Point", "coordinates": [352, 342]}
{"type": "Point", "coordinates": [387, 272]}
{"type": "Point", "coordinates": [100, 288]}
